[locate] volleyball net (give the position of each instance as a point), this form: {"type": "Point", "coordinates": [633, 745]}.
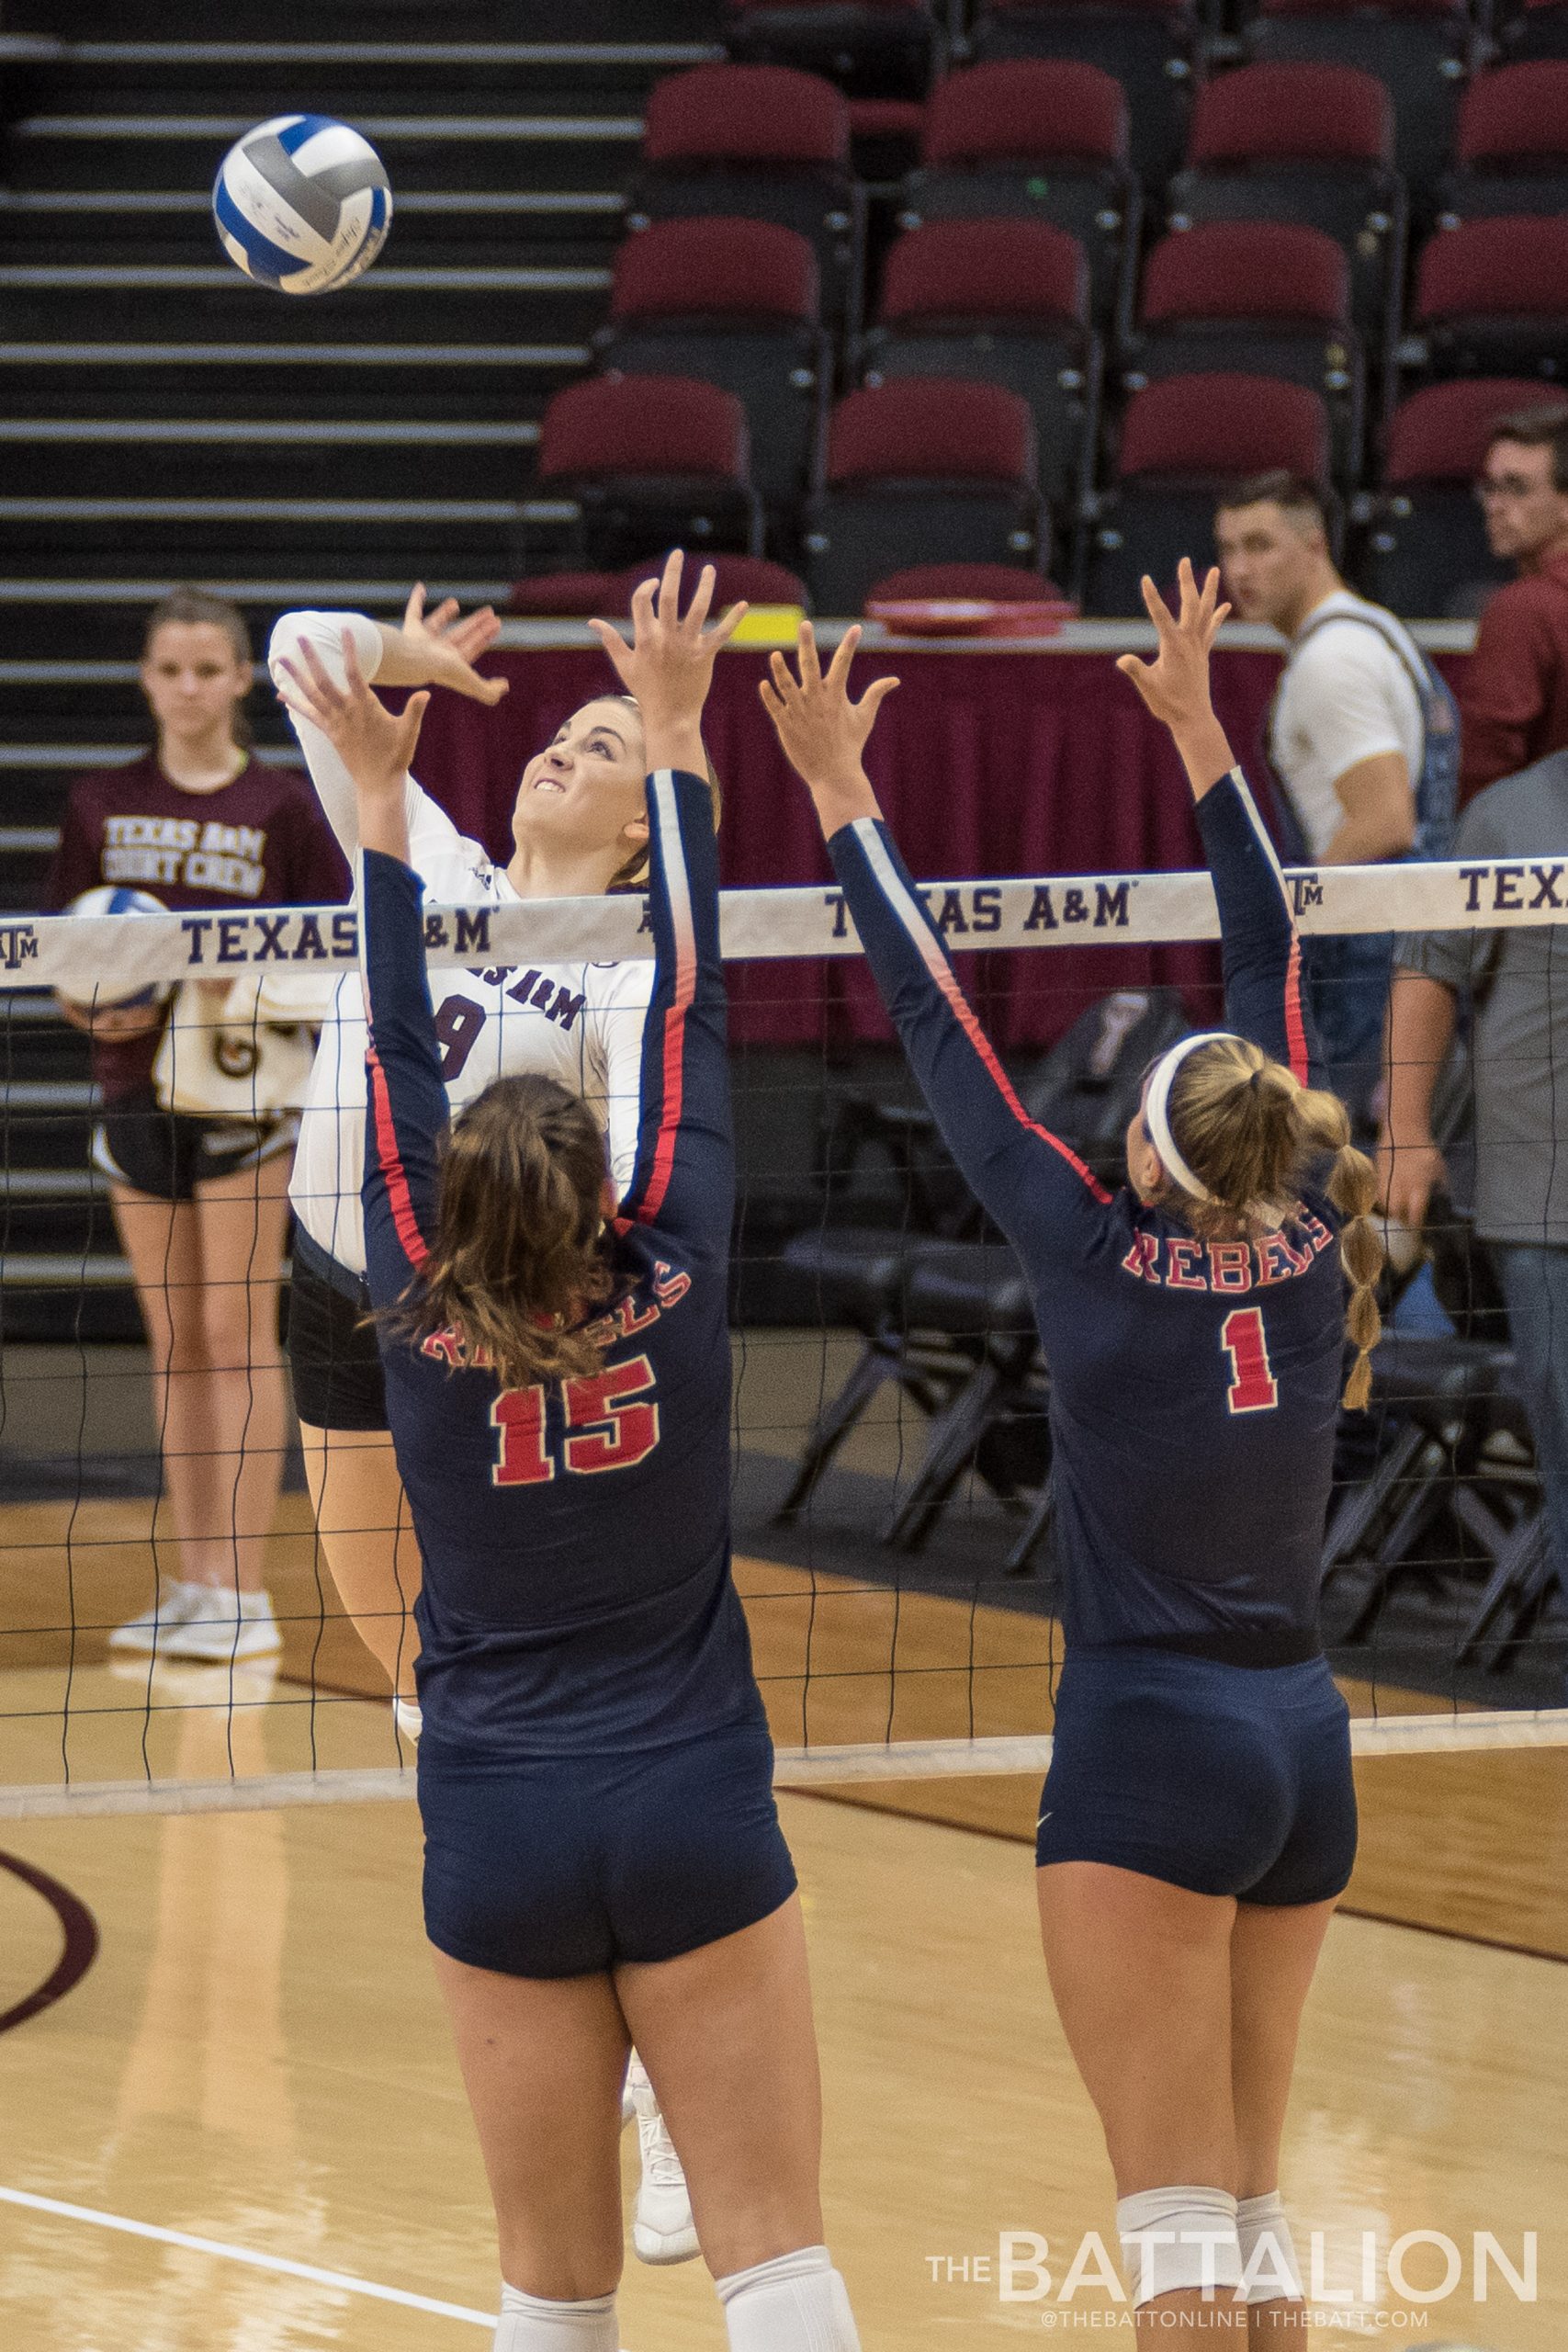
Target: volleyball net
{"type": "Point", "coordinates": [891, 1492]}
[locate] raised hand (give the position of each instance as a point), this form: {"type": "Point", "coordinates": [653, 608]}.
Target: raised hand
{"type": "Point", "coordinates": [824, 733]}
{"type": "Point", "coordinates": [667, 666]}
{"type": "Point", "coordinates": [374, 747]}
{"type": "Point", "coordinates": [440, 649]}
{"type": "Point", "coordinates": [1175, 685]}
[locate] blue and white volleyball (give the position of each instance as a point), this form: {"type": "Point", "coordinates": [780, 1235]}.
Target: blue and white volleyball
{"type": "Point", "coordinates": [104, 989]}
{"type": "Point", "coordinates": [302, 204]}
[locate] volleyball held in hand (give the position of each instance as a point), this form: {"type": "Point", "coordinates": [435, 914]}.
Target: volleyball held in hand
{"type": "Point", "coordinates": [302, 204]}
{"type": "Point", "coordinates": [106, 989]}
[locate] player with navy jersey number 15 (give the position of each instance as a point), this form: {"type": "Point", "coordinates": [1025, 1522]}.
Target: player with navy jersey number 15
{"type": "Point", "coordinates": [603, 1853]}
{"type": "Point", "coordinates": [1199, 1820]}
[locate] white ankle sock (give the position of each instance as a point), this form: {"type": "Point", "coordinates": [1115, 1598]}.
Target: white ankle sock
{"type": "Point", "coordinates": [797, 2302]}
{"type": "Point", "coordinates": [1270, 2272]}
{"type": "Point", "coordinates": [529, 2324]}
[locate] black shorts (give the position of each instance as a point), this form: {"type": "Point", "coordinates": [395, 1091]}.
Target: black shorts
{"type": "Point", "coordinates": [168, 1155]}
{"type": "Point", "coordinates": [569, 1866]}
{"type": "Point", "coordinates": [1226, 1779]}
{"type": "Point", "coordinates": [333, 1356]}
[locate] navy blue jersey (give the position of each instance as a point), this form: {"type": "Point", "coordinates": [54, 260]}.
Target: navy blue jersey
{"type": "Point", "coordinates": [576, 1594]}
{"type": "Point", "coordinates": [1193, 1384]}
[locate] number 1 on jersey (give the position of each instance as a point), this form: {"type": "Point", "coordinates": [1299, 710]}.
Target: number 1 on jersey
{"type": "Point", "coordinates": [1253, 1388]}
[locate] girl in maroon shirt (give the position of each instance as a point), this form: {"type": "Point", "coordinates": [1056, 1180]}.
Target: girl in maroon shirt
{"type": "Point", "coordinates": [200, 1204]}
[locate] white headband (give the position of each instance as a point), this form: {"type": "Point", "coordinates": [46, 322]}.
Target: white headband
{"type": "Point", "coordinates": [1156, 1108]}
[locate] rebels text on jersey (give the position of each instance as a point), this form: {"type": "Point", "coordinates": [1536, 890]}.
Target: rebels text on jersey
{"type": "Point", "coordinates": [1194, 1385]}
{"type": "Point", "coordinates": [577, 1595]}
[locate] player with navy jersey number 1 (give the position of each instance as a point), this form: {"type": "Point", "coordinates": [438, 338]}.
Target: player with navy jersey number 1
{"type": "Point", "coordinates": [1199, 1822]}
{"type": "Point", "coordinates": [603, 1853]}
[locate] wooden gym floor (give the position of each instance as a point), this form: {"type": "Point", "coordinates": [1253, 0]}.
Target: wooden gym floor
{"type": "Point", "coordinates": [255, 2059]}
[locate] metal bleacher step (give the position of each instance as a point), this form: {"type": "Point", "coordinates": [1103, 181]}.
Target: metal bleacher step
{"type": "Point", "coordinates": [423, 150]}
{"type": "Point", "coordinates": [239, 456]}
{"type": "Point", "coordinates": [551, 311]}
{"type": "Point", "coordinates": [406, 537]}
{"type": "Point", "coordinates": [456, 228]}
{"type": "Point", "coordinates": [309, 376]}
{"type": "Point", "coordinates": [371, 22]}
{"type": "Point", "coordinates": [105, 619]}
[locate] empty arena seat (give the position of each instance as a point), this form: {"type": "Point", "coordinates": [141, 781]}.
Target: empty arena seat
{"type": "Point", "coordinates": [924, 469]}
{"type": "Point", "coordinates": [1007, 302]}
{"type": "Point", "coordinates": [1037, 142]}
{"type": "Point", "coordinates": [990, 583]}
{"type": "Point", "coordinates": [1421, 48]}
{"type": "Point", "coordinates": [1182, 442]}
{"type": "Point", "coordinates": [1304, 144]}
{"type": "Point", "coordinates": [651, 461]}
{"type": "Point", "coordinates": [608, 594]}
{"type": "Point", "coordinates": [1272, 299]}
{"type": "Point", "coordinates": [1537, 29]}
{"type": "Point", "coordinates": [1492, 297]}
{"type": "Point", "coordinates": [872, 49]}
{"type": "Point", "coordinates": [1512, 154]}
{"type": "Point", "coordinates": [1426, 553]}
{"type": "Point", "coordinates": [1151, 47]}
{"type": "Point", "coordinates": [760, 142]}
{"type": "Point", "coordinates": [737, 303]}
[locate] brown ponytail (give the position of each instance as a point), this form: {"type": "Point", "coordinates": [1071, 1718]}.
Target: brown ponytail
{"type": "Point", "coordinates": [1249, 1128]}
{"type": "Point", "coordinates": [516, 1265]}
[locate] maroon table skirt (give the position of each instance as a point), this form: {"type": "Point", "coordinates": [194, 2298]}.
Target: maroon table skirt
{"type": "Point", "coordinates": [992, 762]}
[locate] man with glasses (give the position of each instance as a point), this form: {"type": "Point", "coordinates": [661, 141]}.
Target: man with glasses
{"type": "Point", "coordinates": [1513, 700]}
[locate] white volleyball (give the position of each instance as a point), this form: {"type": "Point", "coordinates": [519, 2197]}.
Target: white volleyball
{"type": "Point", "coordinates": [302, 203]}
{"type": "Point", "coordinates": [105, 987]}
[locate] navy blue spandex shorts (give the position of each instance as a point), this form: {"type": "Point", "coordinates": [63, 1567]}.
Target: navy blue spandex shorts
{"type": "Point", "coordinates": [569, 1866]}
{"type": "Point", "coordinates": [1226, 1779]}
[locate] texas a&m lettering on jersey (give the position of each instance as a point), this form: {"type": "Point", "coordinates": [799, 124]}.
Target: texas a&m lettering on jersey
{"type": "Point", "coordinates": [186, 852]}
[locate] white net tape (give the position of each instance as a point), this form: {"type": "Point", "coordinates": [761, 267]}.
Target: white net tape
{"type": "Point", "coordinates": [1133, 909]}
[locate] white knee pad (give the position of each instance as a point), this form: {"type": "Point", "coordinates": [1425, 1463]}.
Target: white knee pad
{"type": "Point", "coordinates": [797, 2302]}
{"type": "Point", "coordinates": [409, 1718]}
{"type": "Point", "coordinates": [1173, 2238]}
{"type": "Point", "coordinates": [1270, 2273]}
{"type": "Point", "coordinates": [530, 2323]}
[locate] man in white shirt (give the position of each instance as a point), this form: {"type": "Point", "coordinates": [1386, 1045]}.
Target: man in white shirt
{"type": "Point", "coordinates": [1348, 739]}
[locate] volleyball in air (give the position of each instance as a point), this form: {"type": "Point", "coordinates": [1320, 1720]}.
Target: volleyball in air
{"type": "Point", "coordinates": [302, 204]}
{"type": "Point", "coordinates": [103, 989]}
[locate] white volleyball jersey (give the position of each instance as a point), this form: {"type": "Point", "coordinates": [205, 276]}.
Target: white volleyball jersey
{"type": "Point", "coordinates": [579, 1023]}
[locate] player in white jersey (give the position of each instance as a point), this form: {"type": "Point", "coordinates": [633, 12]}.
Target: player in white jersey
{"type": "Point", "coordinates": [579, 828]}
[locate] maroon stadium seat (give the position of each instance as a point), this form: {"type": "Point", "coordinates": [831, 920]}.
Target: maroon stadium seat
{"type": "Point", "coordinates": [1312, 144]}
{"type": "Point", "coordinates": [1151, 47]}
{"type": "Point", "coordinates": [760, 142]}
{"type": "Point", "coordinates": [1264, 297]}
{"type": "Point", "coordinates": [1005, 302]}
{"type": "Point", "coordinates": [1421, 48]}
{"type": "Point", "coordinates": [748, 577]}
{"type": "Point", "coordinates": [926, 469]}
{"type": "Point", "coordinates": [1182, 441]}
{"type": "Point", "coordinates": [1492, 297]}
{"type": "Point", "coordinates": [993, 583]}
{"type": "Point", "coordinates": [1036, 142]}
{"type": "Point", "coordinates": [872, 49]}
{"type": "Point", "coordinates": [1512, 154]}
{"type": "Point", "coordinates": [737, 303]}
{"type": "Point", "coordinates": [652, 461]}
{"type": "Point", "coordinates": [1427, 552]}
{"type": "Point", "coordinates": [1538, 29]}
{"type": "Point", "coordinates": [582, 595]}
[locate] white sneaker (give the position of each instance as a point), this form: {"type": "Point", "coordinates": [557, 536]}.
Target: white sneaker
{"type": "Point", "coordinates": [176, 1602]}
{"type": "Point", "coordinates": [662, 2229]}
{"type": "Point", "coordinates": [224, 1627]}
